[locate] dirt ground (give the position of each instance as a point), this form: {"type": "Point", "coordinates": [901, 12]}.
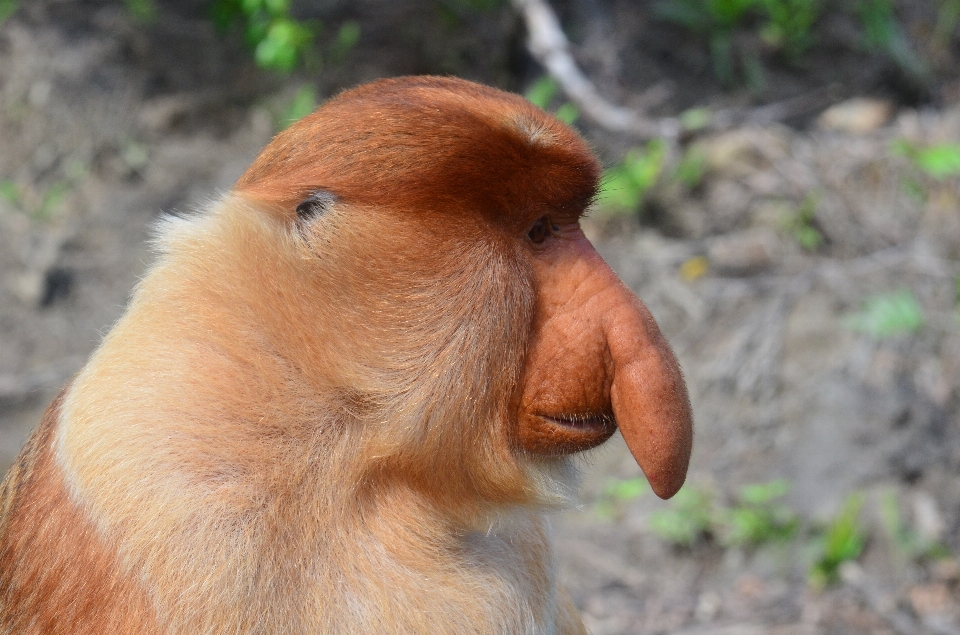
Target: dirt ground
{"type": "Point", "coordinates": [105, 124]}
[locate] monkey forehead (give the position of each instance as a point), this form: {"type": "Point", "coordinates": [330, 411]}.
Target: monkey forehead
{"type": "Point", "coordinates": [429, 143]}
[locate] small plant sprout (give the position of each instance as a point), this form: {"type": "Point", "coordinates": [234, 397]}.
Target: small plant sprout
{"type": "Point", "coordinates": [282, 45]}
{"type": "Point", "coordinates": [567, 113]}
{"type": "Point", "coordinates": [948, 16]}
{"type": "Point", "coordinates": [625, 184]}
{"type": "Point", "coordinates": [143, 11]}
{"type": "Point", "coordinates": [303, 103]}
{"type": "Point", "coordinates": [939, 162]}
{"type": "Point", "coordinates": [801, 223]}
{"type": "Point", "coordinates": [789, 25]}
{"type": "Point", "coordinates": [348, 35]}
{"type": "Point", "coordinates": [10, 192]}
{"type": "Point", "coordinates": [692, 167]}
{"type": "Point", "coordinates": [758, 517]}
{"type": "Point", "coordinates": [882, 33]}
{"type": "Point", "coordinates": [695, 119]}
{"type": "Point", "coordinates": [687, 520]}
{"type": "Point", "coordinates": [542, 93]}
{"type": "Point", "coordinates": [42, 205]}
{"type": "Point", "coordinates": [908, 542]}
{"type": "Point", "coordinates": [7, 9]}
{"type": "Point", "coordinates": [717, 21]}
{"type": "Point", "coordinates": [842, 540]}
{"type": "Point", "coordinates": [627, 489]}
{"type": "Point", "coordinates": [620, 491]}
{"type": "Point", "coordinates": [279, 42]}
{"type": "Point", "coordinates": [888, 314]}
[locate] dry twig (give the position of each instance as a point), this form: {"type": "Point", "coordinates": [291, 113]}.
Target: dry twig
{"type": "Point", "coordinates": [550, 46]}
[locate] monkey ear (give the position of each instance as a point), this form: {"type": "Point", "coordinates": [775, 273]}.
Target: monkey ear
{"type": "Point", "coordinates": [315, 205]}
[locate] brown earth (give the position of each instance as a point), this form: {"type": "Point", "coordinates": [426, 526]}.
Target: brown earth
{"type": "Point", "coordinates": [105, 124]}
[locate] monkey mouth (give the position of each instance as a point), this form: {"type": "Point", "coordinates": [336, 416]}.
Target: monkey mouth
{"type": "Point", "coordinates": [586, 422]}
{"type": "Point", "coordinates": [566, 433]}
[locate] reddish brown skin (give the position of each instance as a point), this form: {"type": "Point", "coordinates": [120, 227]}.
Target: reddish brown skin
{"type": "Point", "coordinates": [57, 576]}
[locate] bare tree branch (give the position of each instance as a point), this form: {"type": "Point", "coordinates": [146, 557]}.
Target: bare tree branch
{"type": "Point", "coordinates": [550, 46]}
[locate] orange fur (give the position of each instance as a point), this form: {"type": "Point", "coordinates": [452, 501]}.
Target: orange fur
{"type": "Point", "coordinates": [57, 575]}
{"type": "Point", "coordinates": [352, 420]}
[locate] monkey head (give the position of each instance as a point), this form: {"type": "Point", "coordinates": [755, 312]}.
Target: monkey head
{"type": "Point", "coordinates": [440, 220]}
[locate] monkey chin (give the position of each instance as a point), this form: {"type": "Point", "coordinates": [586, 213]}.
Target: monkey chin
{"type": "Point", "coordinates": [563, 434]}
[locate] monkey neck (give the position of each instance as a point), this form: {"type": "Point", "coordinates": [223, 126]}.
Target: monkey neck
{"type": "Point", "coordinates": [213, 415]}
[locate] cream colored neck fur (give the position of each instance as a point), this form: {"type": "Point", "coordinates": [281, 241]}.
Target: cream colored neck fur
{"type": "Point", "coordinates": [213, 438]}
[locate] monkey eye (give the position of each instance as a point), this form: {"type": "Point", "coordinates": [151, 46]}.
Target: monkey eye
{"type": "Point", "coordinates": [541, 230]}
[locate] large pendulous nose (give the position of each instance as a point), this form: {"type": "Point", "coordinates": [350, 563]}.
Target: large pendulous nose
{"type": "Point", "coordinates": [596, 350]}
{"type": "Point", "coordinates": [648, 394]}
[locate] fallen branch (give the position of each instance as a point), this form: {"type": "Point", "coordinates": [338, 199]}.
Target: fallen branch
{"type": "Point", "coordinates": [550, 46]}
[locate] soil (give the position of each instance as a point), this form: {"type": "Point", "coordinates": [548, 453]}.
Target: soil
{"type": "Point", "coordinates": [106, 124]}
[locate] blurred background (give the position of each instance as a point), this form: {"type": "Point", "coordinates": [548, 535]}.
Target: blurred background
{"type": "Point", "coordinates": [782, 189]}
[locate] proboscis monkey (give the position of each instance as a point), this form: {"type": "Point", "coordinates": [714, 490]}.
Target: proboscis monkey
{"type": "Point", "coordinates": [345, 395]}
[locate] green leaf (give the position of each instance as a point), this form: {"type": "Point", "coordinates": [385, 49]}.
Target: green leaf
{"type": "Point", "coordinates": [542, 91]}
{"type": "Point", "coordinates": [940, 161]}
{"type": "Point", "coordinates": [627, 489]}
{"type": "Point", "coordinates": [278, 8]}
{"type": "Point", "coordinates": [757, 518]}
{"type": "Point", "coordinates": [281, 47]}
{"type": "Point", "coordinates": [618, 191]}
{"type": "Point", "coordinates": [692, 167]}
{"type": "Point", "coordinates": [687, 519]}
{"type": "Point", "coordinates": [879, 22]}
{"type": "Point", "coordinates": [302, 104]}
{"type": "Point", "coordinates": [10, 192]}
{"type": "Point", "coordinates": [801, 223]}
{"type": "Point", "coordinates": [842, 540]}
{"type": "Point", "coordinates": [625, 184]}
{"type": "Point", "coordinates": [143, 11]}
{"type": "Point", "coordinates": [729, 13]}
{"type": "Point", "coordinates": [808, 237]}
{"type": "Point", "coordinates": [790, 23]}
{"type": "Point", "coordinates": [347, 38]}
{"type": "Point", "coordinates": [224, 13]}
{"type": "Point", "coordinates": [567, 113]}
{"type": "Point", "coordinates": [645, 167]}
{"type": "Point", "coordinates": [889, 314]}
{"type": "Point", "coordinates": [763, 493]}
{"type": "Point", "coordinates": [7, 9]}
{"type": "Point", "coordinates": [696, 118]}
